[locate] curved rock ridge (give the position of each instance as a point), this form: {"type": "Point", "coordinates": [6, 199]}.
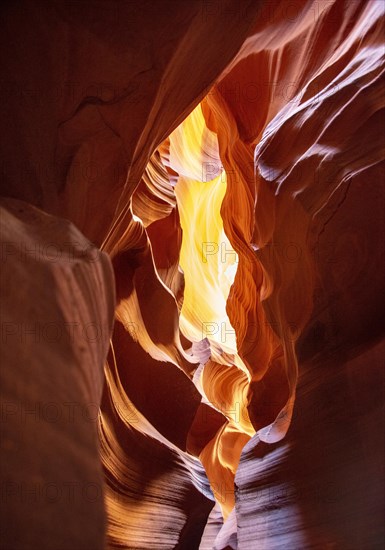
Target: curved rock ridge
{"type": "Point", "coordinates": [89, 91]}
{"type": "Point", "coordinates": [227, 159]}
{"type": "Point", "coordinates": [277, 197]}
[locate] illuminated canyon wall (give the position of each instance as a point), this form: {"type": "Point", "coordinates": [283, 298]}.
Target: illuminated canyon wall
{"type": "Point", "coordinates": [192, 273]}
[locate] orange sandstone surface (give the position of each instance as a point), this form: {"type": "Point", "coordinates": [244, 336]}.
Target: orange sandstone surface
{"type": "Point", "coordinates": [192, 271]}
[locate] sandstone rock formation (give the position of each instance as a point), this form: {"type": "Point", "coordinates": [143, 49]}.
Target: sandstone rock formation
{"type": "Point", "coordinates": [57, 299]}
{"type": "Point", "coordinates": [221, 165]}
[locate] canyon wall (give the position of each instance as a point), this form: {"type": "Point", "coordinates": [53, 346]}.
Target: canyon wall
{"type": "Point", "coordinates": [192, 272]}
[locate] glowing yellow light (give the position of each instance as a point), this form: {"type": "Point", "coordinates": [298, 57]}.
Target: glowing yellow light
{"type": "Point", "coordinates": [207, 258]}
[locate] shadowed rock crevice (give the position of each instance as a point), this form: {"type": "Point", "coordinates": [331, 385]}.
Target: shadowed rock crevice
{"type": "Point", "coordinates": [209, 174]}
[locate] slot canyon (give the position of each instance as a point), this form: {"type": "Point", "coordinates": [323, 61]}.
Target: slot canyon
{"type": "Point", "coordinates": [192, 274]}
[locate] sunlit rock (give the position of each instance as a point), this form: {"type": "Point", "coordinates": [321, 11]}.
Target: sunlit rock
{"type": "Point", "coordinates": [229, 158]}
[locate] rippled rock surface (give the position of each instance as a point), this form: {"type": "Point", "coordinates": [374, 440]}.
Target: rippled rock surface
{"type": "Point", "coordinates": [229, 162]}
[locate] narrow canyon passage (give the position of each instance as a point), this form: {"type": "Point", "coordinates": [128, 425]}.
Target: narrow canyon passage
{"type": "Point", "coordinates": [192, 273]}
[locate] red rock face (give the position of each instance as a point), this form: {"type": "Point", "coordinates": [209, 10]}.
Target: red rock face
{"type": "Point", "coordinates": [57, 312]}
{"type": "Point", "coordinates": [229, 163]}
